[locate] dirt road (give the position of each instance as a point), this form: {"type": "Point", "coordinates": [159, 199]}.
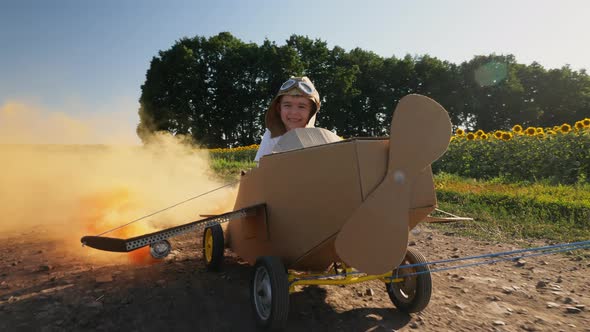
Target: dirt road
{"type": "Point", "coordinates": [45, 287]}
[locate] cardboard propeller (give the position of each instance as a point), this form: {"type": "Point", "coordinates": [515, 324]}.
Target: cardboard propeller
{"type": "Point", "coordinates": [375, 237]}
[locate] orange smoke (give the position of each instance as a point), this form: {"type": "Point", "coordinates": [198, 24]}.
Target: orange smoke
{"type": "Point", "coordinates": [65, 191]}
{"type": "Point", "coordinates": [28, 123]}
{"type": "Point", "coordinates": [105, 211]}
{"type": "Point", "coordinates": [142, 256]}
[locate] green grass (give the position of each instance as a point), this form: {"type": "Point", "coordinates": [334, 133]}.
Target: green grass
{"type": "Point", "coordinates": [515, 211]}
{"type": "Point", "coordinates": [229, 170]}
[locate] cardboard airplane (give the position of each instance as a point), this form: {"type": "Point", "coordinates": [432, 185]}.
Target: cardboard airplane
{"type": "Point", "coordinates": [320, 200]}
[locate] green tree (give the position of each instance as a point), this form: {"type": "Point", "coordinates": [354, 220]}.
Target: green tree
{"type": "Point", "coordinates": [216, 90]}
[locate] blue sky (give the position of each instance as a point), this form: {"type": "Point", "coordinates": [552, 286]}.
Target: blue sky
{"type": "Point", "coordinates": [88, 59]}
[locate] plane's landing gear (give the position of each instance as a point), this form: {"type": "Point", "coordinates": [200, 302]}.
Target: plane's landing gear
{"type": "Point", "coordinates": [269, 293]}
{"type": "Point", "coordinates": [413, 293]}
{"type": "Point", "coordinates": [213, 247]}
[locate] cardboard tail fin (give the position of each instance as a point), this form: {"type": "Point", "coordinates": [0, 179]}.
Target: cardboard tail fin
{"type": "Point", "coordinates": [375, 237]}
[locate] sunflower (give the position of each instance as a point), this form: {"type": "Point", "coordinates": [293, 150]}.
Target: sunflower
{"type": "Point", "coordinates": [460, 132]}
{"type": "Point", "coordinates": [517, 129]}
{"type": "Point", "coordinates": [470, 136]}
{"type": "Point", "coordinates": [586, 123]}
{"type": "Point", "coordinates": [540, 130]}
{"type": "Point", "coordinates": [479, 133]}
{"type": "Point", "coordinates": [565, 128]}
{"type": "Point", "coordinates": [498, 134]}
{"type": "Point", "coordinates": [530, 131]}
{"type": "Point", "coordinates": [484, 136]}
{"type": "Point", "coordinates": [579, 125]}
{"type": "Point", "coordinates": [551, 132]}
{"type": "Point", "coordinates": [506, 136]}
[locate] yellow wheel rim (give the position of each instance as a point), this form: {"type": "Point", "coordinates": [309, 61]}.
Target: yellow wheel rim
{"type": "Point", "coordinates": [208, 245]}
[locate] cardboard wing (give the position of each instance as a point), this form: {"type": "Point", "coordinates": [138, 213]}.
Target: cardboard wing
{"type": "Point", "coordinates": [332, 202]}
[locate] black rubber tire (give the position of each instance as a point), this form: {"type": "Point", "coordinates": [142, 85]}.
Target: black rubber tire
{"type": "Point", "coordinates": [217, 249]}
{"type": "Point", "coordinates": [270, 310]}
{"type": "Point", "coordinates": [412, 294]}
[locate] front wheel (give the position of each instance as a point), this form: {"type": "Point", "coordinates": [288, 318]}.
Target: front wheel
{"type": "Point", "coordinates": [269, 293]}
{"type": "Point", "coordinates": [413, 293]}
{"type": "Point", "coordinates": [213, 247]}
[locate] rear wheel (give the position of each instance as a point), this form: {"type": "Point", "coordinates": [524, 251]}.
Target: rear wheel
{"type": "Point", "coordinates": [269, 293]}
{"type": "Point", "coordinates": [213, 247]}
{"type": "Point", "coordinates": [413, 293]}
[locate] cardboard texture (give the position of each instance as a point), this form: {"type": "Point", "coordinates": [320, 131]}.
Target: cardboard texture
{"type": "Point", "coordinates": [351, 201]}
{"type": "Point", "coordinates": [300, 138]}
{"type": "Point", "coordinates": [420, 134]}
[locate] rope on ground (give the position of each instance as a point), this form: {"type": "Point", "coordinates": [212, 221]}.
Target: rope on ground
{"type": "Point", "coordinates": [533, 252]}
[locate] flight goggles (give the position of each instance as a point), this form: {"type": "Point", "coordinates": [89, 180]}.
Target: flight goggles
{"type": "Point", "coordinates": [303, 86]}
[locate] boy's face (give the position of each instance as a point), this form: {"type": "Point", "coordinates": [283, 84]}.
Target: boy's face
{"type": "Point", "coordinates": [295, 111]}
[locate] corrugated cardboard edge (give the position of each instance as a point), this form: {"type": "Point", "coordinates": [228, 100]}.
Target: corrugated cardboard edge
{"type": "Point", "coordinates": [301, 138]}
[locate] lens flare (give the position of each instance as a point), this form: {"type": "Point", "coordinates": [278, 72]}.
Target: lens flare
{"type": "Point", "coordinates": [491, 73]}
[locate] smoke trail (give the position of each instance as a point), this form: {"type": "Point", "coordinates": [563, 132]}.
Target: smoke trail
{"type": "Point", "coordinates": [70, 190]}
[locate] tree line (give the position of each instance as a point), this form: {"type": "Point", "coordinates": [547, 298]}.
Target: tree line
{"type": "Point", "coordinates": [216, 90]}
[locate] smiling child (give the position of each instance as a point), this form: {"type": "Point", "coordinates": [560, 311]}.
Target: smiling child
{"type": "Point", "coordinates": [295, 106]}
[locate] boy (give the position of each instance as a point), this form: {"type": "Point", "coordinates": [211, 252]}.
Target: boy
{"type": "Point", "coordinates": [295, 106]}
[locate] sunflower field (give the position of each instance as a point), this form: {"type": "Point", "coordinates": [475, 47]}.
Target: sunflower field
{"type": "Point", "coordinates": [241, 153]}
{"type": "Point", "coordinates": [560, 154]}
{"type": "Point", "coordinates": [228, 162]}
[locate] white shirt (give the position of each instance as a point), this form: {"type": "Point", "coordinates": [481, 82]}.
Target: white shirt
{"type": "Point", "coordinates": [266, 146]}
